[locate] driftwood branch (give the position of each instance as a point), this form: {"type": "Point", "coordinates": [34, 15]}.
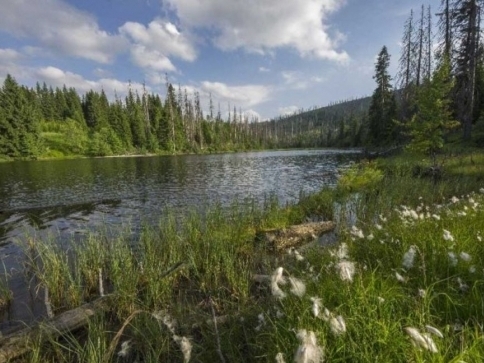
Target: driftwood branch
{"type": "Point", "coordinates": [280, 239]}
{"type": "Point", "coordinates": [18, 343]}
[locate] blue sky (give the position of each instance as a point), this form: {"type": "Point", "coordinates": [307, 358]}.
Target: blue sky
{"type": "Point", "coordinates": [266, 57]}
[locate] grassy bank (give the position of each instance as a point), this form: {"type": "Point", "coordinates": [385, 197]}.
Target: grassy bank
{"type": "Point", "coordinates": [408, 263]}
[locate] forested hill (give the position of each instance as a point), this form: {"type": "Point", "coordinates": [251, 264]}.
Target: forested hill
{"type": "Point", "coordinates": [338, 124]}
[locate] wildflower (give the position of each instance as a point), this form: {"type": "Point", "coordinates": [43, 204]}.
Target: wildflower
{"type": "Point", "coordinates": [279, 314]}
{"type": "Point", "coordinates": [465, 256]}
{"type": "Point", "coordinates": [452, 258]}
{"type": "Point", "coordinates": [280, 358]}
{"type": "Point", "coordinates": [262, 322]}
{"type": "Point", "coordinates": [308, 350]}
{"type": "Point", "coordinates": [409, 257]}
{"type": "Point", "coordinates": [454, 199]}
{"type": "Point", "coordinates": [436, 217]}
{"type": "Point", "coordinates": [379, 227]}
{"type": "Point", "coordinates": [337, 325]}
{"type": "Point", "coordinates": [471, 201]}
{"type": "Point", "coordinates": [370, 237]}
{"type": "Point", "coordinates": [356, 232]}
{"type": "Point", "coordinates": [342, 252]}
{"type": "Point", "coordinates": [472, 269]}
{"type": "Point", "coordinates": [297, 286]}
{"type": "Point", "coordinates": [277, 279]}
{"type": "Point", "coordinates": [421, 340]}
{"type": "Point", "coordinates": [316, 309]}
{"type": "Point", "coordinates": [461, 214]}
{"type": "Point", "coordinates": [185, 347]}
{"type": "Point", "coordinates": [448, 236]}
{"type": "Point", "coordinates": [299, 257]}
{"type": "Point", "coordinates": [383, 219]}
{"type": "Point", "coordinates": [413, 214]}
{"type": "Point", "coordinates": [400, 278]}
{"type": "Point", "coordinates": [346, 270]}
{"type": "Point", "coordinates": [422, 293]}
{"type": "Point", "coordinates": [326, 314]}
{"type": "Point", "coordinates": [125, 346]}
{"type": "Point", "coordinates": [479, 238]}
{"type": "Point", "coordinates": [434, 331]}
{"type": "Point", "coordinates": [462, 285]}
{"type": "Point", "coordinates": [481, 190]}
{"type": "Point", "coordinates": [380, 299]}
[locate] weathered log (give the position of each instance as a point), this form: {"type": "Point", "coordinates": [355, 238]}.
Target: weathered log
{"type": "Point", "coordinates": [279, 239]}
{"type": "Point", "coordinates": [18, 343]}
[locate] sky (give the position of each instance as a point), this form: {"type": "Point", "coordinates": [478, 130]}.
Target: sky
{"type": "Point", "coordinates": [264, 57]}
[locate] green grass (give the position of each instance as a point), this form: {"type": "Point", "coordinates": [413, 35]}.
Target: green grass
{"type": "Point", "coordinates": [194, 267]}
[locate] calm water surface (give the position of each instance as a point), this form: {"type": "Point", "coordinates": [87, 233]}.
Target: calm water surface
{"type": "Point", "coordinates": [70, 197]}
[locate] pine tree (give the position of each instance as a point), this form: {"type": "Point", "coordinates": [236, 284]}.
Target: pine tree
{"type": "Point", "coordinates": [19, 130]}
{"type": "Point", "coordinates": [382, 110]}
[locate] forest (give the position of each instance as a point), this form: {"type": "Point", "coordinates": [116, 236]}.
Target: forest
{"type": "Point", "coordinates": [437, 94]}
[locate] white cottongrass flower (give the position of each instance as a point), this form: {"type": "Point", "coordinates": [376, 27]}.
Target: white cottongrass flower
{"type": "Point", "coordinates": [481, 190]}
{"type": "Point", "coordinates": [308, 350]}
{"type": "Point", "coordinates": [298, 287]}
{"type": "Point", "coordinates": [185, 347]}
{"type": "Point", "coordinates": [380, 299]}
{"type": "Point", "coordinates": [370, 237]}
{"type": "Point", "coordinates": [262, 322]}
{"type": "Point", "coordinates": [434, 331]}
{"type": "Point", "coordinates": [464, 256]}
{"type": "Point", "coordinates": [454, 199]}
{"type": "Point", "coordinates": [337, 325]}
{"type": "Point", "coordinates": [461, 214]}
{"type": "Point", "coordinates": [422, 293]}
{"type": "Point", "coordinates": [409, 257]}
{"type": "Point", "coordinates": [280, 358]}
{"type": "Point", "coordinates": [383, 219]}
{"type": "Point", "coordinates": [298, 256]}
{"type": "Point", "coordinates": [472, 269]}
{"type": "Point", "coordinates": [326, 315]}
{"type": "Point", "coordinates": [316, 308]}
{"type": "Point", "coordinates": [125, 346]}
{"type": "Point", "coordinates": [379, 227]}
{"type": "Point", "coordinates": [413, 214]}
{"type": "Point", "coordinates": [452, 258]}
{"type": "Point", "coordinates": [356, 232]}
{"type": "Point", "coordinates": [342, 252]}
{"type": "Point", "coordinates": [479, 238]}
{"type": "Point", "coordinates": [400, 278]}
{"type": "Point", "coordinates": [421, 340]}
{"type": "Point", "coordinates": [462, 285]}
{"type": "Point", "coordinates": [436, 217]}
{"type": "Point", "coordinates": [448, 236]}
{"type": "Point", "coordinates": [346, 270]}
{"type": "Point", "coordinates": [277, 279]}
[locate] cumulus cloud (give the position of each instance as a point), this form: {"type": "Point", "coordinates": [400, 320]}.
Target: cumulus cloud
{"type": "Point", "coordinates": [261, 26]}
{"type": "Point", "coordinates": [288, 110]}
{"type": "Point", "coordinates": [8, 55]}
{"type": "Point", "coordinates": [244, 96]}
{"type": "Point", "coordinates": [60, 27]}
{"type": "Point", "coordinates": [153, 44]}
{"type": "Point", "coordinates": [58, 78]}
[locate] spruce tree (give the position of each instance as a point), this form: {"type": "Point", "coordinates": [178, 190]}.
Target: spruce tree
{"type": "Point", "coordinates": [383, 107]}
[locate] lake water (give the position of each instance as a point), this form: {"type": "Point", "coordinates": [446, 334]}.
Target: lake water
{"type": "Point", "coordinates": [67, 198]}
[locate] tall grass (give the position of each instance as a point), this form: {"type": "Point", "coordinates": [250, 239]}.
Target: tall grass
{"type": "Point", "coordinates": [411, 256]}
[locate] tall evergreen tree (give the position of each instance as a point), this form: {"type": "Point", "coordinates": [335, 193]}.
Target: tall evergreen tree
{"type": "Point", "coordinates": [19, 131]}
{"type": "Point", "coordinates": [383, 107]}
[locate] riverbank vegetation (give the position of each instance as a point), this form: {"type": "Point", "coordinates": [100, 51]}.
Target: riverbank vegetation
{"type": "Point", "coordinates": [403, 281]}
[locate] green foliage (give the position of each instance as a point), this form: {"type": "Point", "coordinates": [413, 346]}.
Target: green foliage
{"type": "Point", "coordinates": [360, 177]}
{"type": "Point", "coordinates": [433, 118]}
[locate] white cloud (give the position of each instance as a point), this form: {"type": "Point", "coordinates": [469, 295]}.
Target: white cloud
{"type": "Point", "coordinates": [264, 69]}
{"type": "Point", "coordinates": [243, 96]}
{"type": "Point", "coordinates": [57, 78]}
{"type": "Point", "coordinates": [8, 55]}
{"type": "Point", "coordinates": [61, 28]}
{"type": "Point", "coordinates": [288, 110]}
{"type": "Point", "coordinates": [261, 26]}
{"type": "Point", "coordinates": [156, 42]}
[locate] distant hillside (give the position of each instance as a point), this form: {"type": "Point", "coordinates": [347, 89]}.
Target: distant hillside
{"type": "Point", "coordinates": [338, 124]}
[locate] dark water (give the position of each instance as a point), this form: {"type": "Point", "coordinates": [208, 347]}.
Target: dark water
{"type": "Point", "coordinates": [70, 197]}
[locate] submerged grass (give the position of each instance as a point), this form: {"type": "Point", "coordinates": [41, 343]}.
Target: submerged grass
{"type": "Point", "coordinates": [408, 266]}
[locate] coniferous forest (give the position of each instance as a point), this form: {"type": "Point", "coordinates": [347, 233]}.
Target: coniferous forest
{"type": "Point", "coordinates": [438, 93]}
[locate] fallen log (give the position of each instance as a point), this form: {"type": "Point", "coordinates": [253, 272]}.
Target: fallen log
{"type": "Point", "coordinates": [280, 239]}
{"type": "Point", "coordinates": [18, 343]}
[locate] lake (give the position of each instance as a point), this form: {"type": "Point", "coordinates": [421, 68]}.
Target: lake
{"type": "Point", "coordinates": [65, 199]}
